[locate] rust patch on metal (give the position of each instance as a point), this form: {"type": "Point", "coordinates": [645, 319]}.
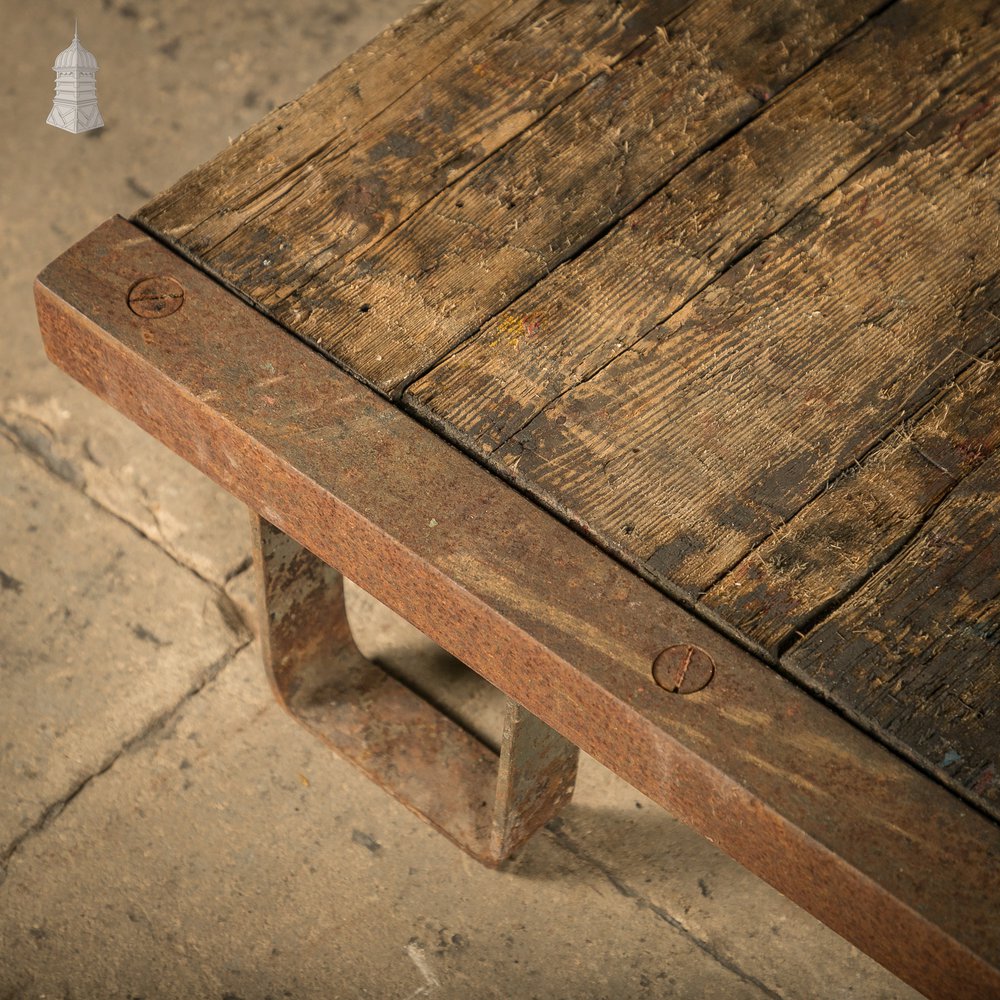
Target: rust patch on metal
{"type": "Point", "coordinates": [433, 766]}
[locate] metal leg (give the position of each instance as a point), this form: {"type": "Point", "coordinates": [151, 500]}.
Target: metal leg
{"type": "Point", "coordinates": [430, 763]}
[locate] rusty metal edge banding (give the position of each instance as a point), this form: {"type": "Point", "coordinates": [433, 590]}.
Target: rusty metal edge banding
{"type": "Point", "coordinates": [869, 845]}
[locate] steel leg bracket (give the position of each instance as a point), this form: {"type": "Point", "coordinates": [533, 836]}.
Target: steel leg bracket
{"type": "Point", "coordinates": [404, 744]}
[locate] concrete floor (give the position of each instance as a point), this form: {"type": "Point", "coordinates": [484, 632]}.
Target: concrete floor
{"type": "Point", "coordinates": [165, 830]}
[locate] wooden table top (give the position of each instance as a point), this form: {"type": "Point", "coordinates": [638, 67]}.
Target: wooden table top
{"type": "Point", "coordinates": [714, 281]}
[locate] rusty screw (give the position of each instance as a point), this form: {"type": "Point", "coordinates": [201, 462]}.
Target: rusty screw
{"type": "Point", "coordinates": [155, 297]}
{"type": "Point", "coordinates": [683, 669]}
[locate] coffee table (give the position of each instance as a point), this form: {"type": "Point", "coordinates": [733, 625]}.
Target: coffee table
{"type": "Point", "coordinates": [642, 355]}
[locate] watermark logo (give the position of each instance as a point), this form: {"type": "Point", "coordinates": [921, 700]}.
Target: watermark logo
{"type": "Point", "coordinates": [75, 106]}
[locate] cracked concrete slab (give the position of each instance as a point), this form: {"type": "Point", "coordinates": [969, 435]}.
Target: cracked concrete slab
{"type": "Point", "coordinates": [101, 633]}
{"type": "Point", "coordinates": [117, 465]}
{"type": "Point", "coordinates": [680, 875]}
{"type": "Point", "coordinates": [242, 591]}
{"type": "Point", "coordinates": [233, 856]}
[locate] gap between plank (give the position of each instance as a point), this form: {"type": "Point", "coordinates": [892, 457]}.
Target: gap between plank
{"type": "Point", "coordinates": [646, 40]}
{"type": "Point", "coordinates": [857, 462]}
{"type": "Point", "coordinates": [325, 146]}
{"type": "Point", "coordinates": [599, 234]}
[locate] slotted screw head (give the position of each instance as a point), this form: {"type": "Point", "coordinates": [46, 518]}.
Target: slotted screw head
{"type": "Point", "coordinates": [155, 297]}
{"type": "Point", "coordinates": [683, 669]}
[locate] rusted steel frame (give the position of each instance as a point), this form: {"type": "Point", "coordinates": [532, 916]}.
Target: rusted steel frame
{"type": "Point", "coordinates": [874, 848]}
{"type": "Point", "coordinates": [405, 745]}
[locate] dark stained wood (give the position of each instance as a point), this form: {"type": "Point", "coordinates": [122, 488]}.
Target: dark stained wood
{"type": "Point", "coordinates": [916, 651]}
{"type": "Point", "coordinates": [864, 518]}
{"type": "Point", "coordinates": [709, 433]}
{"type": "Point", "coordinates": [213, 199]}
{"type": "Point", "coordinates": [559, 185]}
{"type": "Point", "coordinates": [345, 179]}
{"type": "Point", "coordinates": [386, 256]}
{"type": "Point", "coordinates": [577, 320]}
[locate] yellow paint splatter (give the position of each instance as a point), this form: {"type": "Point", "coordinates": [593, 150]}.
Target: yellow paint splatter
{"type": "Point", "coordinates": [512, 327]}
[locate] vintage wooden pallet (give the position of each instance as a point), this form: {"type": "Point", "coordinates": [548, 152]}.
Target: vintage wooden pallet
{"type": "Point", "coordinates": [715, 284]}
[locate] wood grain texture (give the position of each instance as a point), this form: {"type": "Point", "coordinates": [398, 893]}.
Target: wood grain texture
{"type": "Point", "coordinates": [268, 155]}
{"type": "Point", "coordinates": [705, 436]}
{"type": "Point", "coordinates": [497, 165]}
{"type": "Point", "coordinates": [352, 177]}
{"type": "Point", "coordinates": [387, 302]}
{"type": "Point", "coordinates": [577, 320]}
{"type": "Point", "coordinates": [916, 651]}
{"type": "Point", "coordinates": [865, 516]}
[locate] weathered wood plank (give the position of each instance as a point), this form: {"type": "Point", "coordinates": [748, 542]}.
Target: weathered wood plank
{"type": "Point", "coordinates": [391, 311]}
{"type": "Point", "coordinates": [916, 651]}
{"type": "Point", "coordinates": [575, 321]}
{"type": "Point", "coordinates": [356, 179]}
{"type": "Point", "coordinates": [694, 445]}
{"type": "Point", "coordinates": [290, 136]}
{"type": "Point", "coordinates": [866, 516]}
